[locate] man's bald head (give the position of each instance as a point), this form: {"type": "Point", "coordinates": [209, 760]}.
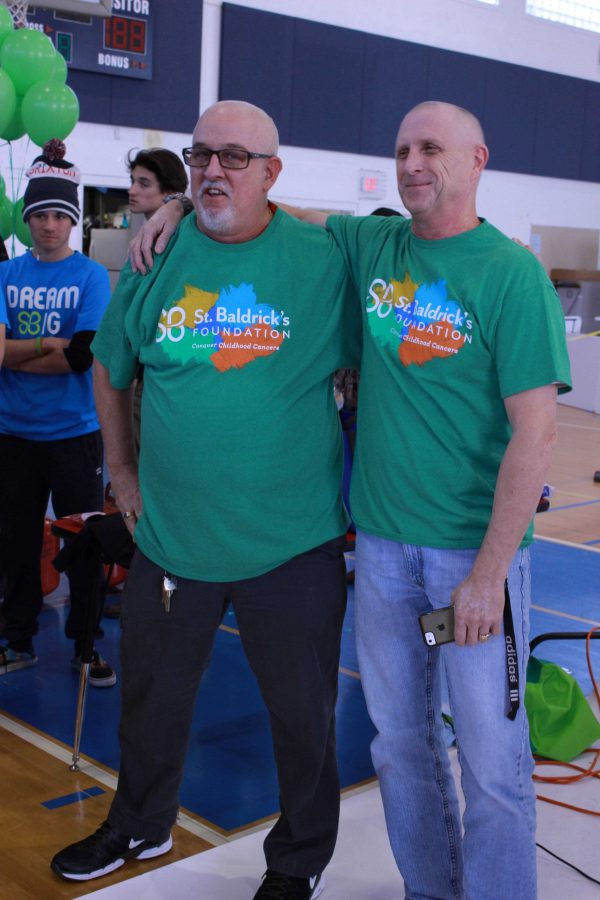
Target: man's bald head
{"type": "Point", "coordinates": [256, 125]}
{"type": "Point", "coordinates": [468, 123]}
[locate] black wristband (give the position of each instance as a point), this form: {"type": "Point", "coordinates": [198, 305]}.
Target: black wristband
{"type": "Point", "coordinates": [178, 196]}
{"type": "Point", "coordinates": [186, 203]}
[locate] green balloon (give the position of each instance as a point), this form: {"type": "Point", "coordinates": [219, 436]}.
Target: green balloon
{"type": "Point", "coordinates": [6, 23]}
{"type": "Point", "coordinates": [8, 99]}
{"type": "Point", "coordinates": [6, 218]}
{"type": "Point", "coordinates": [60, 71]}
{"type": "Point", "coordinates": [2, 187]}
{"type": "Point", "coordinates": [28, 57]}
{"type": "Point", "coordinates": [15, 128]}
{"type": "Point", "coordinates": [49, 110]}
{"type": "Point", "coordinates": [21, 228]}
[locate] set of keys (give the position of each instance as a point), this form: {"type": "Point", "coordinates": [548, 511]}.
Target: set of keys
{"type": "Point", "coordinates": [169, 586]}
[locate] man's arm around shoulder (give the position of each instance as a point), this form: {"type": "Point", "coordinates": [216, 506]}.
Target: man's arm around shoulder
{"type": "Point", "coordinates": [155, 234]}
{"type": "Point", "coordinates": [312, 216]}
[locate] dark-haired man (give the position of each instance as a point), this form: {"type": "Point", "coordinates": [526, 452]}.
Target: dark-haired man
{"type": "Point", "coordinates": [156, 175]}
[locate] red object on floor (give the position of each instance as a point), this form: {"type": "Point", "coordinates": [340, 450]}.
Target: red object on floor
{"type": "Point", "coordinates": [50, 547]}
{"type": "Point", "coordinates": [115, 575]}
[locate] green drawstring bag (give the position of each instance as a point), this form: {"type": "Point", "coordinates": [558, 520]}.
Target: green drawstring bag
{"type": "Point", "coordinates": [561, 722]}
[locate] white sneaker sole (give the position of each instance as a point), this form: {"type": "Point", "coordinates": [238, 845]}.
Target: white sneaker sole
{"type": "Point", "coordinates": [17, 666]}
{"type": "Point", "coordinates": [318, 889]}
{"type": "Point", "coordinates": [108, 681]}
{"type": "Point", "coordinates": [103, 682]}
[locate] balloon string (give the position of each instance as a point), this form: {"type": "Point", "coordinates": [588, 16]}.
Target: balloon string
{"type": "Point", "coordinates": [24, 163]}
{"type": "Point", "coordinates": [15, 188]}
{"type": "Point", "coordinates": [13, 250]}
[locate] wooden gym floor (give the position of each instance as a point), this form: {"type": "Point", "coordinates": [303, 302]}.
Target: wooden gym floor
{"type": "Point", "coordinates": [34, 763]}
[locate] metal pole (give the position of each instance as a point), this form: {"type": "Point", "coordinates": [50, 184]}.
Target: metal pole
{"type": "Point", "coordinates": [93, 555]}
{"type": "Point", "coordinates": [83, 683]}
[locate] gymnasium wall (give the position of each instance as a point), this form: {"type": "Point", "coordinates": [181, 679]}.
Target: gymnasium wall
{"type": "Point", "coordinates": [491, 38]}
{"type": "Point", "coordinates": [503, 32]}
{"type": "Point", "coordinates": [340, 89]}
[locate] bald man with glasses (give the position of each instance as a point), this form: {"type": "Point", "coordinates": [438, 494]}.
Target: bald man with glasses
{"type": "Point", "coordinates": [238, 407]}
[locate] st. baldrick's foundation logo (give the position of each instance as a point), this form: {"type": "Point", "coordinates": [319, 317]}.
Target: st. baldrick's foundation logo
{"type": "Point", "coordinates": [419, 321]}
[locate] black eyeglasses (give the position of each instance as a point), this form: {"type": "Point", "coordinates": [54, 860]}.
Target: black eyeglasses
{"type": "Point", "coordinates": [229, 158]}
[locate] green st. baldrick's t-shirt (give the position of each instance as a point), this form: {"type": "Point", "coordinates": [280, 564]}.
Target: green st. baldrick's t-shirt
{"type": "Point", "coordinates": [451, 328]}
{"type": "Point", "coordinates": [241, 463]}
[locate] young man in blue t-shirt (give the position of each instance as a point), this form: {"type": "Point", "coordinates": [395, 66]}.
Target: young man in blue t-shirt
{"type": "Point", "coordinates": [50, 443]}
{"type": "Point", "coordinates": [3, 321]}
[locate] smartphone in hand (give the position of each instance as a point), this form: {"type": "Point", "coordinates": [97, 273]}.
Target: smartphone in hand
{"type": "Point", "coordinates": [438, 626]}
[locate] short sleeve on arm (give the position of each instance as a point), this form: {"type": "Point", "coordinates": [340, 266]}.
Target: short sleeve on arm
{"type": "Point", "coordinates": [96, 294]}
{"type": "Point", "coordinates": [3, 308]}
{"type": "Point", "coordinates": [111, 346]}
{"type": "Point", "coordinates": [530, 343]}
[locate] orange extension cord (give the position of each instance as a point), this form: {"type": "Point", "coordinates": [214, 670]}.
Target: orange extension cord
{"type": "Point", "coordinates": [591, 772]}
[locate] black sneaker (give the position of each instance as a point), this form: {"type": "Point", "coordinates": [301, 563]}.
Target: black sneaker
{"type": "Point", "coordinates": [101, 673]}
{"type": "Point", "coordinates": [103, 852]}
{"type": "Point", "coordinates": [12, 660]}
{"type": "Point", "coordinates": [277, 886]}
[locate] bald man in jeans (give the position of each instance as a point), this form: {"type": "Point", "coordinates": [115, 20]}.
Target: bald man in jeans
{"type": "Point", "coordinates": [464, 350]}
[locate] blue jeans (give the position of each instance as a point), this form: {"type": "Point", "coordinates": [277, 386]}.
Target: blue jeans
{"type": "Point", "coordinates": [402, 679]}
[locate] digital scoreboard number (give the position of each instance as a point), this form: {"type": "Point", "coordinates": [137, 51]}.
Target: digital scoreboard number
{"type": "Point", "coordinates": [124, 34]}
{"type": "Point", "coordinates": [115, 45]}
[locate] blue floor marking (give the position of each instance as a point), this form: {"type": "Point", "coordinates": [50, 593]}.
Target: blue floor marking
{"type": "Point", "coordinates": [73, 798]}
{"type": "Point", "coordinates": [572, 505]}
{"type": "Point", "coordinates": [566, 579]}
{"type": "Point", "coordinates": [230, 775]}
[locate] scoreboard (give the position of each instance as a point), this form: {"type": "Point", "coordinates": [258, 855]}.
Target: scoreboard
{"type": "Point", "coordinates": [120, 44]}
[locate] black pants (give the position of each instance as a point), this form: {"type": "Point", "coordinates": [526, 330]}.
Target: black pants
{"type": "Point", "coordinates": [71, 471]}
{"type": "Point", "coordinates": [290, 622]}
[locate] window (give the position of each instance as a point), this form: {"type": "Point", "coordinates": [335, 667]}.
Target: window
{"type": "Point", "coordinates": [579, 13]}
